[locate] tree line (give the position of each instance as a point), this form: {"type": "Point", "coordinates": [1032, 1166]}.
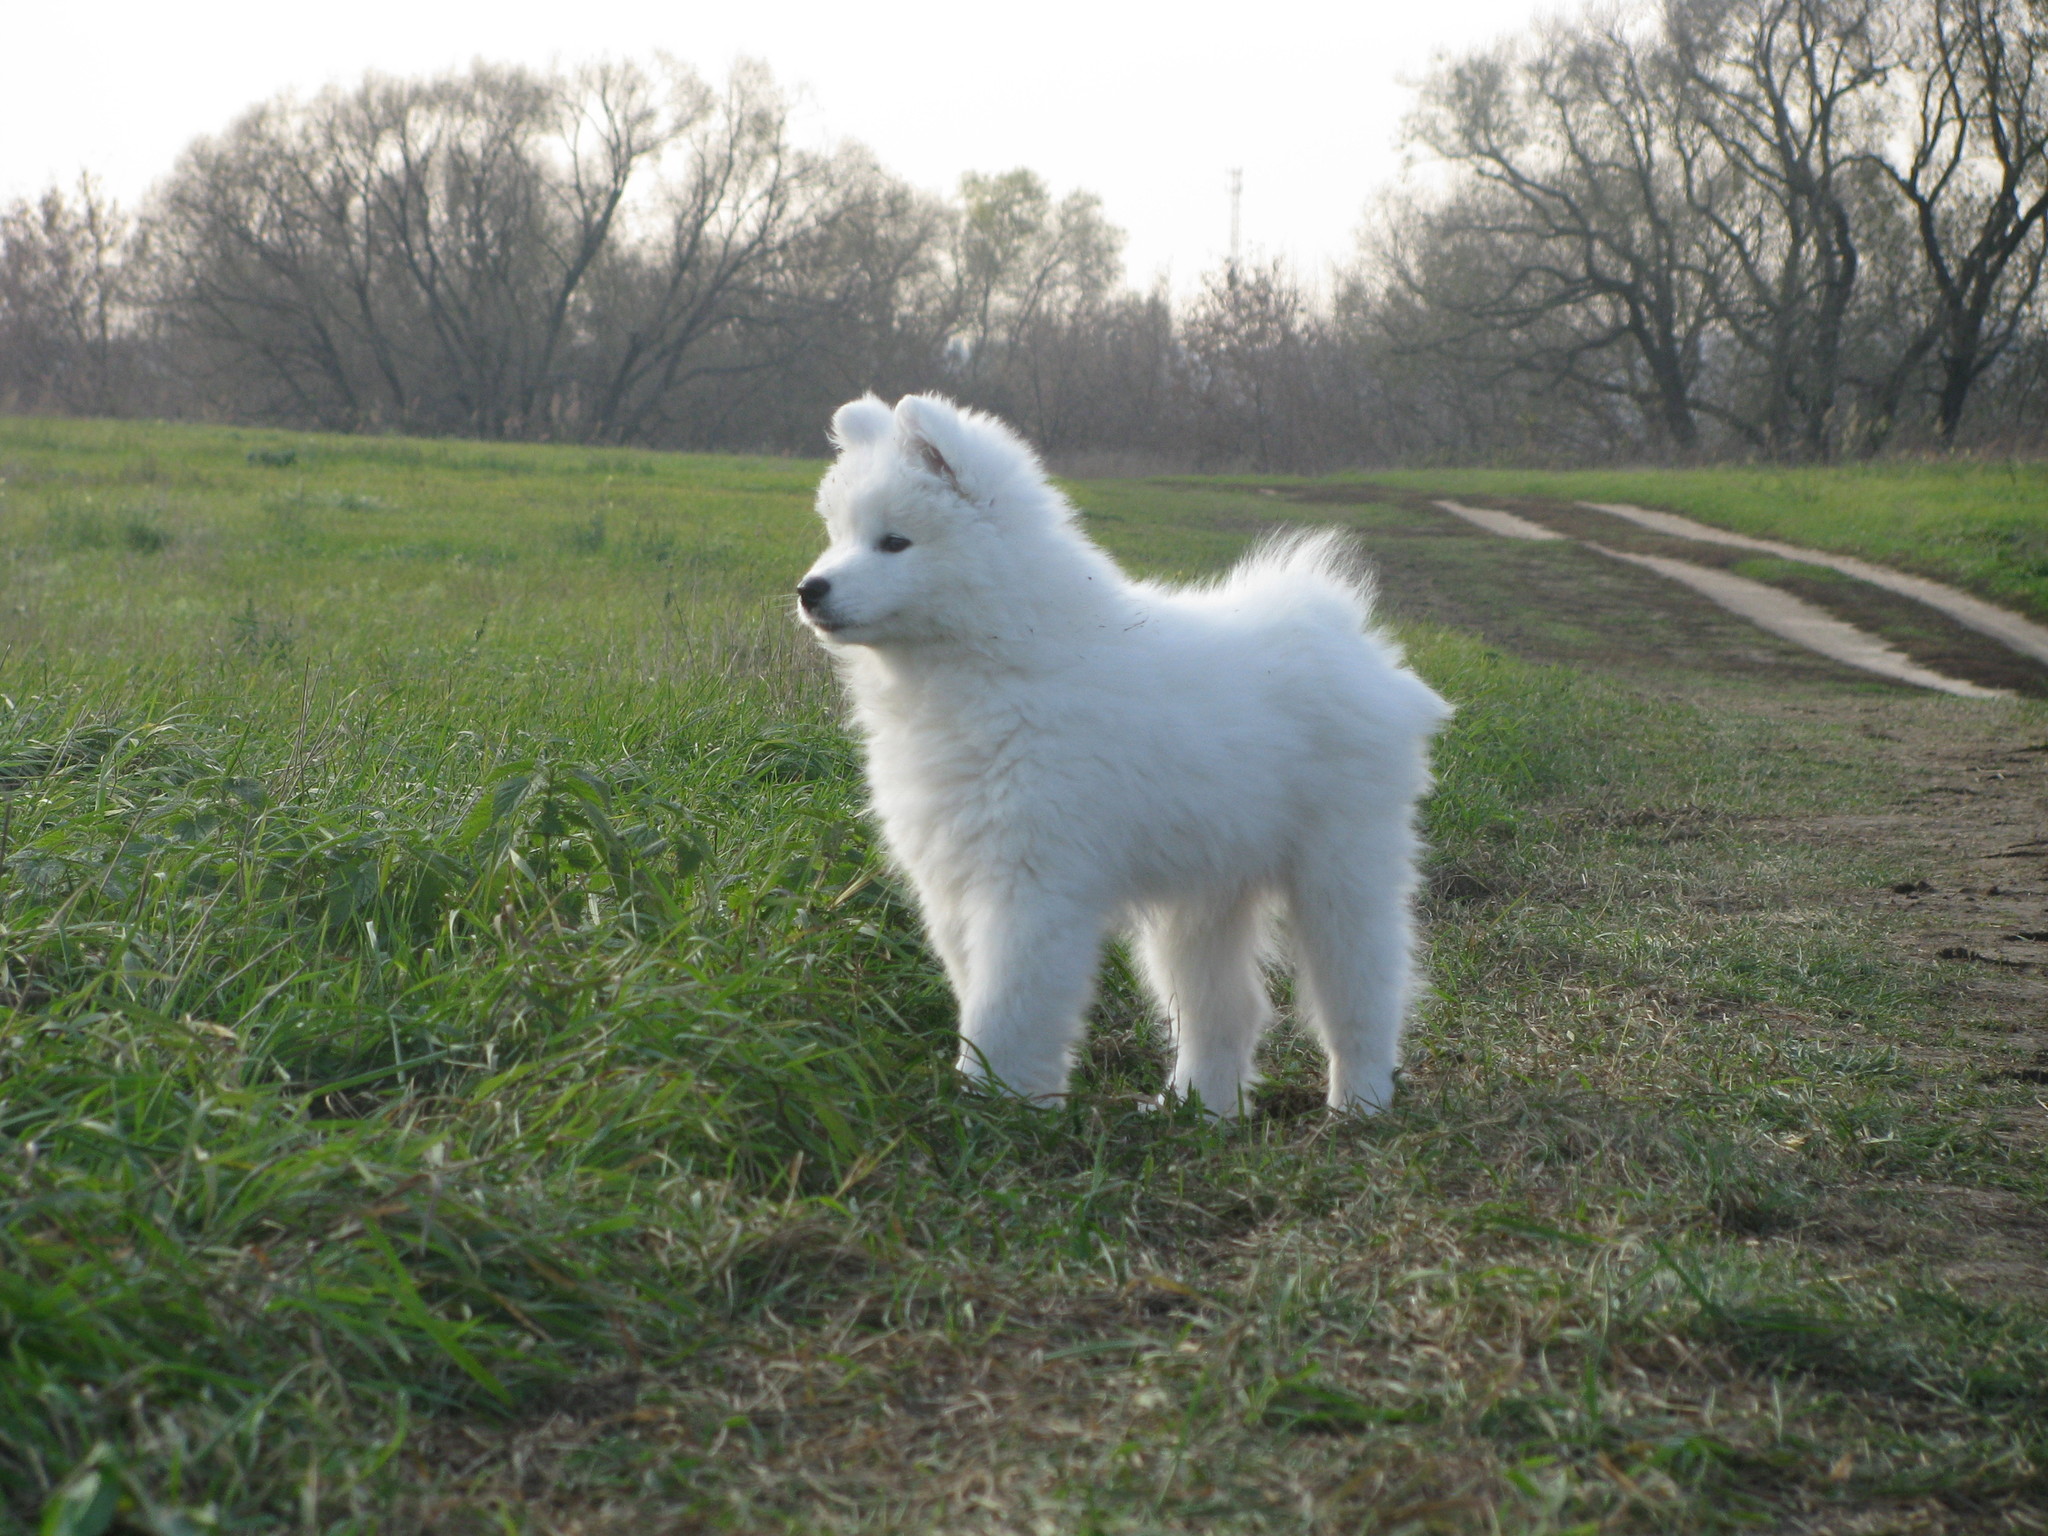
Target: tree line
{"type": "Point", "coordinates": [1774, 229]}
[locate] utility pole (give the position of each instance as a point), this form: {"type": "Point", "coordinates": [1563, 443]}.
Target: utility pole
{"type": "Point", "coordinates": [1236, 217]}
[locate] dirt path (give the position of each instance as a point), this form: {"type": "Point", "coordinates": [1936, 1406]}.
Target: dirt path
{"type": "Point", "coordinates": [1802, 623]}
{"type": "Point", "coordinates": [1966, 830]}
{"type": "Point", "coordinates": [1784, 613]}
{"type": "Point", "coordinates": [1520, 571]}
{"type": "Point", "coordinates": [1506, 524]}
{"type": "Point", "coordinates": [1966, 821]}
{"type": "Point", "coordinates": [2008, 628]}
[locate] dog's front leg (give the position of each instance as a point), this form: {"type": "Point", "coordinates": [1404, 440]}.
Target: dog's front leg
{"type": "Point", "coordinates": [1030, 970]}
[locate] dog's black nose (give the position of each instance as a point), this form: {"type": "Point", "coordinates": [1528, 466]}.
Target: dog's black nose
{"type": "Point", "coordinates": [812, 591]}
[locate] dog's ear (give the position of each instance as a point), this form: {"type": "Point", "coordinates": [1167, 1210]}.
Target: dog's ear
{"type": "Point", "coordinates": [860, 422]}
{"type": "Point", "coordinates": [929, 428]}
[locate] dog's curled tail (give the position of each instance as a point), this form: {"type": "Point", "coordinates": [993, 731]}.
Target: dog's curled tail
{"type": "Point", "coordinates": [1316, 574]}
{"type": "Point", "coordinates": [1316, 584]}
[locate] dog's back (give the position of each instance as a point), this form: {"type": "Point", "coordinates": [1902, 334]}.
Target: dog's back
{"type": "Point", "coordinates": [1299, 608]}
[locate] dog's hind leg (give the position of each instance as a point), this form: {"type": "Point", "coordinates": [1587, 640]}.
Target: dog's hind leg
{"type": "Point", "coordinates": [1026, 977]}
{"type": "Point", "coordinates": [1347, 900]}
{"type": "Point", "coordinates": [1200, 959]}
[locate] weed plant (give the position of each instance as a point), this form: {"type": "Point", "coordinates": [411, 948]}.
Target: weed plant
{"type": "Point", "coordinates": [464, 1067]}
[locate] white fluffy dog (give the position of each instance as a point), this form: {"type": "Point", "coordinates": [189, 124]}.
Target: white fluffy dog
{"type": "Point", "coordinates": [1056, 751]}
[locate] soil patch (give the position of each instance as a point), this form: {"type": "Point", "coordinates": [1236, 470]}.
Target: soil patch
{"type": "Point", "coordinates": [1506, 524]}
{"type": "Point", "coordinates": [1967, 829]}
{"type": "Point", "coordinates": [1967, 834]}
{"type": "Point", "coordinates": [2022, 635]}
{"type": "Point", "coordinates": [1928, 636]}
{"type": "Point", "coordinates": [1989, 1244]}
{"type": "Point", "coordinates": [1931, 637]}
{"type": "Point", "coordinates": [1555, 601]}
{"type": "Point", "coordinates": [1782, 613]}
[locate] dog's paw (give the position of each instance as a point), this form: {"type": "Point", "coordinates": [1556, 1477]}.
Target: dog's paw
{"type": "Point", "coordinates": [976, 1083]}
{"type": "Point", "coordinates": [1369, 1093]}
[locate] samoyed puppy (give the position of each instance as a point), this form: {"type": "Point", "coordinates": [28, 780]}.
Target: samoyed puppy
{"type": "Point", "coordinates": [1057, 753]}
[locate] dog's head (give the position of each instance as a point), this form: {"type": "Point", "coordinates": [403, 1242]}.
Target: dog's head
{"type": "Point", "coordinates": [921, 506]}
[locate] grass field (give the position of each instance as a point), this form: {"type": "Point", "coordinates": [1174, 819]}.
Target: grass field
{"type": "Point", "coordinates": [1982, 525]}
{"type": "Point", "coordinates": [462, 1068]}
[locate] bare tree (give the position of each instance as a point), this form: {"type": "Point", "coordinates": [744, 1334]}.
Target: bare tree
{"type": "Point", "coordinates": [1678, 226]}
{"type": "Point", "coordinates": [1248, 335]}
{"type": "Point", "coordinates": [1416, 314]}
{"type": "Point", "coordinates": [1106, 378]}
{"type": "Point", "coordinates": [1786, 92]}
{"type": "Point", "coordinates": [710, 260]}
{"type": "Point", "coordinates": [1025, 269]}
{"type": "Point", "coordinates": [66, 267]}
{"type": "Point", "coordinates": [498, 194]}
{"type": "Point", "coordinates": [1576, 217]}
{"type": "Point", "coordinates": [414, 253]}
{"type": "Point", "coordinates": [857, 296]}
{"type": "Point", "coordinates": [1784, 217]}
{"type": "Point", "coordinates": [1973, 170]}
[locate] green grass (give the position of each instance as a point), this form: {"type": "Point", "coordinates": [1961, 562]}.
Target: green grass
{"type": "Point", "coordinates": [1983, 526]}
{"type": "Point", "coordinates": [462, 1067]}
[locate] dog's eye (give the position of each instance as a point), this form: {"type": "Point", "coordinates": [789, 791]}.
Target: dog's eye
{"type": "Point", "coordinates": [893, 544]}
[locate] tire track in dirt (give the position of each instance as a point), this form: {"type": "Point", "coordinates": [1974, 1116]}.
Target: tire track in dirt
{"type": "Point", "coordinates": [2008, 628]}
{"type": "Point", "coordinates": [1962, 825]}
{"type": "Point", "coordinates": [1506, 524]}
{"type": "Point", "coordinates": [1781, 612]}
{"type": "Point", "coordinates": [1802, 623]}
{"type": "Point", "coordinates": [1955, 826]}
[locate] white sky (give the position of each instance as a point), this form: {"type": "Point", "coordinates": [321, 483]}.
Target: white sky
{"type": "Point", "coordinates": [1147, 105]}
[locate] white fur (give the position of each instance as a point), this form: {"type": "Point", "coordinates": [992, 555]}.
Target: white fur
{"type": "Point", "coordinates": [1056, 752]}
